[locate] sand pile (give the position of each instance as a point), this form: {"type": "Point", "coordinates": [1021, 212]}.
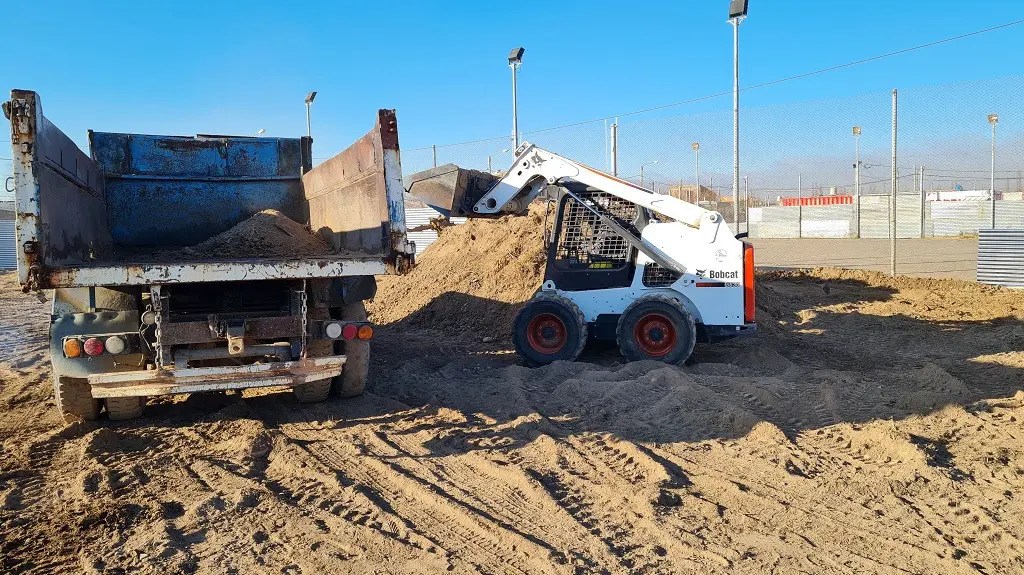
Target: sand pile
{"type": "Point", "coordinates": [268, 233]}
{"type": "Point", "coordinates": [473, 279]}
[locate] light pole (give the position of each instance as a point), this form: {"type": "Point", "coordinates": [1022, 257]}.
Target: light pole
{"type": "Point", "coordinates": [696, 169]}
{"type": "Point", "coordinates": [651, 163]}
{"type": "Point", "coordinates": [309, 101]}
{"type": "Point", "coordinates": [993, 119]}
{"type": "Point", "coordinates": [515, 59]}
{"type": "Point", "coordinates": [737, 12]}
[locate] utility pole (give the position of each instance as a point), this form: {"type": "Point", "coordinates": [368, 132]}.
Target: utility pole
{"type": "Point", "coordinates": [892, 197]}
{"type": "Point", "coordinates": [615, 148]}
{"type": "Point", "coordinates": [856, 177]}
{"type": "Point", "coordinates": [696, 169]}
{"type": "Point", "coordinates": [993, 119]}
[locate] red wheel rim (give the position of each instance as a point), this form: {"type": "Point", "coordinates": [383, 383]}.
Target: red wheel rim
{"type": "Point", "coordinates": [655, 334]}
{"type": "Point", "coordinates": [546, 333]}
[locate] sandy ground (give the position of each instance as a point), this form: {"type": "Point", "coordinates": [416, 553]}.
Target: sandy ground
{"type": "Point", "coordinates": [874, 426]}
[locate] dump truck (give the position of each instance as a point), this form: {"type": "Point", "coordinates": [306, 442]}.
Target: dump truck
{"type": "Point", "coordinates": [129, 321]}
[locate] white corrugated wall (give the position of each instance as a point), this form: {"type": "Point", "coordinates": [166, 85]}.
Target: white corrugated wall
{"type": "Point", "coordinates": [416, 217]}
{"type": "Point", "coordinates": [8, 259]}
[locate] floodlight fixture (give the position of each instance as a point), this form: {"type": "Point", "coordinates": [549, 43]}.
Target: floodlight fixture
{"type": "Point", "coordinates": [515, 57]}
{"type": "Point", "coordinates": [737, 8]}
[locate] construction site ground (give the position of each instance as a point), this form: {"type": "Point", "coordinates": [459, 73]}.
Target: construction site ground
{"type": "Point", "coordinates": [874, 425]}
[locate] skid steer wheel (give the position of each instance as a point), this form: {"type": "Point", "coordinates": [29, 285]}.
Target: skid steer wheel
{"type": "Point", "coordinates": [352, 381]}
{"type": "Point", "coordinates": [121, 408]}
{"type": "Point", "coordinates": [549, 328]}
{"type": "Point", "coordinates": [74, 399]}
{"type": "Point", "coordinates": [656, 327]}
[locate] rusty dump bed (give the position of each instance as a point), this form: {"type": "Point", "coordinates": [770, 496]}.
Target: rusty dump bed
{"type": "Point", "coordinates": [84, 219]}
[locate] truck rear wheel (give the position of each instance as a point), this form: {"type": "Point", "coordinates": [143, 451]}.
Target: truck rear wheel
{"type": "Point", "coordinates": [656, 327]}
{"type": "Point", "coordinates": [313, 392]}
{"type": "Point", "coordinates": [352, 381]}
{"type": "Point", "coordinates": [122, 408]}
{"type": "Point", "coordinates": [550, 328]}
{"type": "Point", "coordinates": [74, 399]}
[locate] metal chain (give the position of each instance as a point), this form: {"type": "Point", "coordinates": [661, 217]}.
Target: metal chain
{"type": "Point", "coordinates": [158, 309]}
{"type": "Point", "coordinates": [304, 310]}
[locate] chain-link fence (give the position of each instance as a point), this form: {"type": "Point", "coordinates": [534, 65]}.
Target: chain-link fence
{"type": "Point", "coordinates": [814, 189]}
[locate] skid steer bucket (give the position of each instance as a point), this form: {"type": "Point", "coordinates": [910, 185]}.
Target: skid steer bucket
{"type": "Point", "coordinates": [450, 189]}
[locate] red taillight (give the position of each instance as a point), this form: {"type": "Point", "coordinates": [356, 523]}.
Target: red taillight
{"type": "Point", "coordinates": [350, 331]}
{"type": "Point", "coordinates": [748, 283]}
{"type": "Point", "coordinates": [93, 346]}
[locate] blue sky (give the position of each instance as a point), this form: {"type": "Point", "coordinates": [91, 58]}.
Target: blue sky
{"type": "Point", "coordinates": [188, 67]}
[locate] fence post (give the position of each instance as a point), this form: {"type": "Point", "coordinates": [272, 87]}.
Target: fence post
{"type": "Point", "coordinates": [924, 205]}
{"type": "Point", "coordinates": [892, 196]}
{"type": "Point", "coordinates": [615, 148]}
{"type": "Point", "coordinates": [746, 204]}
{"type": "Point", "coordinates": [433, 148]}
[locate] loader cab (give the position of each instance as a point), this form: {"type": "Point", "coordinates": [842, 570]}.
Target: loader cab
{"type": "Point", "coordinates": [583, 252]}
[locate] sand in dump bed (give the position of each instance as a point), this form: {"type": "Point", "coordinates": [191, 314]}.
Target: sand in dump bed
{"type": "Point", "coordinates": [874, 425]}
{"type": "Point", "coordinates": [266, 234]}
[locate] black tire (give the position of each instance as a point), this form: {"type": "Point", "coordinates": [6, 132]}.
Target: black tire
{"type": "Point", "coordinates": [352, 381]}
{"type": "Point", "coordinates": [550, 328]}
{"type": "Point", "coordinates": [313, 392]}
{"type": "Point", "coordinates": [656, 327]}
{"type": "Point", "coordinates": [74, 399]}
{"type": "Point", "coordinates": [122, 408]}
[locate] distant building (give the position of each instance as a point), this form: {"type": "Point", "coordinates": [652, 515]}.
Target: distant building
{"type": "Point", "coordinates": [961, 195]}
{"type": "Point", "coordinates": [689, 193]}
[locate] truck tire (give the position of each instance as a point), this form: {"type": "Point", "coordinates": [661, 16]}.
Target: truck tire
{"type": "Point", "coordinates": [313, 392]}
{"type": "Point", "coordinates": [74, 399]}
{"type": "Point", "coordinates": [656, 327]}
{"type": "Point", "coordinates": [122, 408]}
{"type": "Point", "coordinates": [352, 381]}
{"type": "Point", "coordinates": [550, 328]}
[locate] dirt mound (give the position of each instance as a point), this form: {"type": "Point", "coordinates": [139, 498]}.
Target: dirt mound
{"type": "Point", "coordinates": [472, 280]}
{"type": "Point", "coordinates": [268, 233]}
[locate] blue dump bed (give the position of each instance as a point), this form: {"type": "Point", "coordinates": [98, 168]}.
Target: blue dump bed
{"type": "Point", "coordinates": [84, 219]}
{"type": "Point", "coordinates": [177, 191]}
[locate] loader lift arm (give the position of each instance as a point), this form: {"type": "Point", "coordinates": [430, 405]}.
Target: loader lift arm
{"type": "Point", "coordinates": [535, 168]}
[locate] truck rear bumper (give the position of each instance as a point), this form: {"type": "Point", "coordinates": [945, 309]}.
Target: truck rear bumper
{"type": "Point", "coordinates": [190, 380]}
